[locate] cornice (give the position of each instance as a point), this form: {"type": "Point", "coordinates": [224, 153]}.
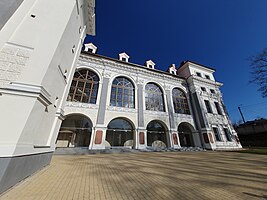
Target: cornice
{"type": "Point", "coordinates": [118, 67]}
{"type": "Point", "coordinates": [200, 80]}
{"type": "Point", "coordinates": [28, 90]}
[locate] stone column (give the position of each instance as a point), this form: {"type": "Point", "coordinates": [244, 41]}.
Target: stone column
{"type": "Point", "coordinates": [141, 139]}
{"type": "Point", "coordinates": [173, 137]}
{"type": "Point", "coordinates": [100, 130]}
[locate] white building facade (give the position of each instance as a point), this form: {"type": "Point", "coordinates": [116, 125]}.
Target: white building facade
{"type": "Point", "coordinates": [114, 103]}
{"type": "Point", "coordinates": [40, 42]}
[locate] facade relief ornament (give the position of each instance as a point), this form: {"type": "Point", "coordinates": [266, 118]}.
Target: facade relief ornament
{"type": "Point", "coordinates": [167, 87]}
{"type": "Point", "coordinates": [13, 60]}
{"type": "Point", "coordinates": [193, 89]}
{"type": "Point", "coordinates": [121, 109]}
{"type": "Point", "coordinates": [81, 105]}
{"type": "Point", "coordinates": [107, 74]}
{"type": "Point", "coordinates": [140, 81]}
{"type": "Point", "coordinates": [156, 113]}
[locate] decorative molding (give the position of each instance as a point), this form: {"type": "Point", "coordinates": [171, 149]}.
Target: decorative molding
{"type": "Point", "coordinates": [121, 109]}
{"type": "Point", "coordinates": [81, 105]}
{"type": "Point", "coordinates": [216, 119]}
{"type": "Point", "coordinates": [140, 81]}
{"type": "Point", "coordinates": [60, 114]}
{"type": "Point", "coordinates": [13, 60]}
{"type": "Point", "coordinates": [183, 116]}
{"type": "Point", "coordinates": [158, 113]}
{"type": "Point", "coordinates": [107, 74]}
{"type": "Point", "coordinates": [167, 87]}
{"type": "Point", "coordinates": [118, 67]}
{"type": "Point", "coordinates": [28, 90]}
{"type": "Point", "coordinates": [206, 81]}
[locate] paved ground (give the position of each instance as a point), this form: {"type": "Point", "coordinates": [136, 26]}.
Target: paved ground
{"type": "Point", "coordinates": [170, 175]}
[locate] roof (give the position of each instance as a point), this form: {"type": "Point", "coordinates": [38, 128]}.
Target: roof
{"type": "Point", "coordinates": [132, 64]}
{"type": "Point", "coordinates": [188, 61]}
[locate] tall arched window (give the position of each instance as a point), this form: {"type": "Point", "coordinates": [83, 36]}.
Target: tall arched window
{"type": "Point", "coordinates": [122, 93]}
{"type": "Point", "coordinates": [154, 97]}
{"type": "Point", "coordinates": [180, 103]}
{"type": "Point", "coordinates": [84, 87]}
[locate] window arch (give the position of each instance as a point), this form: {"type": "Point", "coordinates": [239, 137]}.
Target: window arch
{"type": "Point", "coordinates": [180, 102]}
{"type": "Point", "coordinates": [122, 93]}
{"type": "Point", "coordinates": [154, 97]}
{"type": "Point", "coordinates": [84, 87]}
{"type": "Point", "coordinates": [75, 131]}
{"type": "Point", "coordinates": [156, 134]}
{"type": "Point", "coordinates": [120, 132]}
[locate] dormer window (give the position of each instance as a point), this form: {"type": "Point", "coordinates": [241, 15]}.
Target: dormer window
{"type": "Point", "coordinates": [90, 47]}
{"type": "Point", "coordinates": [172, 69]}
{"type": "Point", "coordinates": [198, 74]}
{"type": "Point", "coordinates": [203, 89]}
{"type": "Point", "coordinates": [207, 77]}
{"type": "Point", "coordinates": [150, 64]}
{"type": "Point", "coordinates": [124, 57]}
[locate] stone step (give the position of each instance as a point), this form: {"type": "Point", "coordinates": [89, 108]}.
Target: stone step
{"type": "Point", "coordinates": [85, 151]}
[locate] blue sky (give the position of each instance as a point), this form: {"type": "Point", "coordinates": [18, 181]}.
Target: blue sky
{"type": "Point", "coordinates": [221, 34]}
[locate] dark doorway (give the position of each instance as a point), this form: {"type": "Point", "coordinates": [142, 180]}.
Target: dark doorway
{"type": "Point", "coordinates": [156, 134]}
{"type": "Point", "coordinates": [120, 133]}
{"type": "Point", "coordinates": [75, 131]}
{"type": "Point", "coordinates": [185, 135]}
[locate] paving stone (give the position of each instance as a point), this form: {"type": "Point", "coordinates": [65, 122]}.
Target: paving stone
{"type": "Point", "coordinates": [148, 175]}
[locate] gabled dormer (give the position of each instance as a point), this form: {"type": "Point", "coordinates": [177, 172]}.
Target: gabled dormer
{"type": "Point", "coordinates": [172, 69]}
{"type": "Point", "coordinates": [90, 47]}
{"type": "Point", "coordinates": [124, 57]}
{"type": "Point", "coordinates": [150, 64]}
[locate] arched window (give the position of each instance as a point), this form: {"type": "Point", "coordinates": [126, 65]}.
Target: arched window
{"type": "Point", "coordinates": [119, 133]}
{"type": "Point", "coordinates": [185, 132]}
{"type": "Point", "coordinates": [156, 134]}
{"type": "Point", "coordinates": [154, 97]}
{"type": "Point", "coordinates": [180, 103]}
{"type": "Point", "coordinates": [84, 87]}
{"type": "Point", "coordinates": [122, 93]}
{"type": "Point", "coordinates": [75, 131]}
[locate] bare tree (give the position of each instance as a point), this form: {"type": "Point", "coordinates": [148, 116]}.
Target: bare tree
{"type": "Point", "coordinates": [259, 71]}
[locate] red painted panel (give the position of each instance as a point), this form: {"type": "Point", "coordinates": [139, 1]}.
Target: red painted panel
{"type": "Point", "coordinates": [98, 137]}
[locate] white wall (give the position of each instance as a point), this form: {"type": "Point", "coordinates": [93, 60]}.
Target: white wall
{"type": "Point", "coordinates": [38, 38]}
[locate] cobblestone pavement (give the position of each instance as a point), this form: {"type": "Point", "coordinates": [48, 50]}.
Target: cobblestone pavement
{"type": "Point", "coordinates": [168, 175]}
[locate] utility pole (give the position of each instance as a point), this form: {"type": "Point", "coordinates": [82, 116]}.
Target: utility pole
{"type": "Point", "coordinates": [241, 114]}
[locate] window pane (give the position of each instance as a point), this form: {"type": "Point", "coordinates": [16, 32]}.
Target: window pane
{"type": "Point", "coordinates": [154, 98]}
{"type": "Point", "coordinates": [122, 87]}
{"type": "Point", "coordinates": [81, 87]}
{"type": "Point", "coordinates": [180, 103]}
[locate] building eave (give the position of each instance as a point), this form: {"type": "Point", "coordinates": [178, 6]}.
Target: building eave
{"type": "Point", "coordinates": [188, 62]}
{"type": "Point", "coordinates": [132, 64]}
